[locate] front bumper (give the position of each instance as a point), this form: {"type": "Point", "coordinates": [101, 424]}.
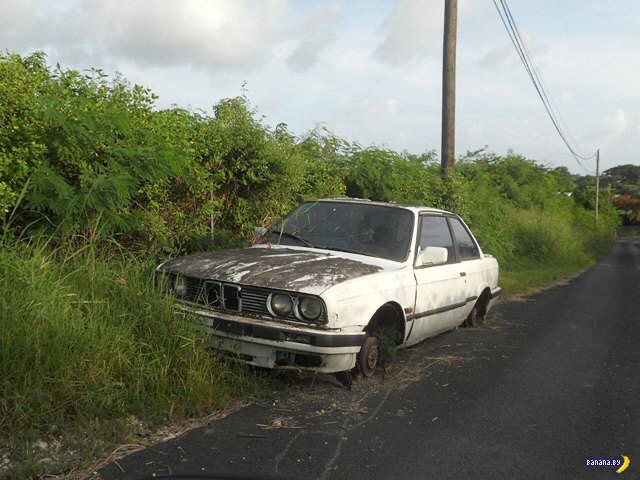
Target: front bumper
{"type": "Point", "coordinates": [271, 345]}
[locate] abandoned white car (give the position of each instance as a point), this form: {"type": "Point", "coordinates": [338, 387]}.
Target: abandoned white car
{"type": "Point", "coordinates": [334, 277]}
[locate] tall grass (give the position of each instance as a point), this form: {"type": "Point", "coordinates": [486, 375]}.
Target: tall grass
{"type": "Point", "coordinates": [543, 235]}
{"type": "Point", "coordinates": [85, 340]}
{"type": "Point", "coordinates": [548, 245]}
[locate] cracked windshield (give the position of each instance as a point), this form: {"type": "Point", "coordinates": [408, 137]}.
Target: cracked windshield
{"type": "Point", "coordinates": [371, 230]}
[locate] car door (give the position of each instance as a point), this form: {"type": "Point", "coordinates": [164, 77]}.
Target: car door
{"type": "Point", "coordinates": [440, 294]}
{"type": "Point", "coordinates": [471, 264]}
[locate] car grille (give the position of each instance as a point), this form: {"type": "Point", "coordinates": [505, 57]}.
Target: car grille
{"type": "Point", "coordinates": [235, 298]}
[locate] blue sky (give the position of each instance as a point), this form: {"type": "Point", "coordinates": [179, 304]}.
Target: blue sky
{"type": "Point", "coordinates": [367, 70]}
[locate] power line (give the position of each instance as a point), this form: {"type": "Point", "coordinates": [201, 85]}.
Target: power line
{"type": "Point", "coordinates": [536, 74]}
{"type": "Point", "coordinates": [527, 60]}
{"type": "Point", "coordinates": [545, 89]}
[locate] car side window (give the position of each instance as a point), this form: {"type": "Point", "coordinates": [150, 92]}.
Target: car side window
{"type": "Point", "coordinates": [434, 232]}
{"type": "Point", "coordinates": [467, 248]}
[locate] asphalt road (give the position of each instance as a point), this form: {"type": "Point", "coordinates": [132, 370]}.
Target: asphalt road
{"type": "Point", "coordinates": [550, 381]}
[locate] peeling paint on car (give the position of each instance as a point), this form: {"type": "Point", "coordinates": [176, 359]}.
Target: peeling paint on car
{"type": "Point", "coordinates": [284, 269]}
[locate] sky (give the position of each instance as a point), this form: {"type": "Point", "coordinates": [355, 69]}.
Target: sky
{"type": "Point", "coordinates": [369, 71]}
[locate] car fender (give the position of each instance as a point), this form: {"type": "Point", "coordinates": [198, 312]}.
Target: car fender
{"type": "Point", "coordinates": [352, 304]}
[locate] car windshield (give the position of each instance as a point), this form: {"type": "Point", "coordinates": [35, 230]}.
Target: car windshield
{"type": "Point", "coordinates": [373, 230]}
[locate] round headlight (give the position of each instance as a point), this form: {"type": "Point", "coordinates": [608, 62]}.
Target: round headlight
{"type": "Point", "coordinates": [310, 308]}
{"type": "Point", "coordinates": [180, 286]}
{"type": "Point", "coordinates": [281, 304]}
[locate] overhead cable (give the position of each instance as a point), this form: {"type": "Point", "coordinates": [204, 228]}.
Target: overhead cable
{"type": "Point", "coordinates": [527, 60]}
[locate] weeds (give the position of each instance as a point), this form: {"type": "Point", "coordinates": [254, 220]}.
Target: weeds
{"type": "Point", "coordinates": [86, 342]}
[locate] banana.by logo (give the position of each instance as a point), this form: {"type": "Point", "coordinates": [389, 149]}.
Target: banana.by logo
{"type": "Point", "coordinates": [609, 463]}
{"type": "Point", "coordinates": [625, 464]}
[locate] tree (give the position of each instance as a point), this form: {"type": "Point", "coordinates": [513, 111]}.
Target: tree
{"type": "Point", "coordinates": [624, 179]}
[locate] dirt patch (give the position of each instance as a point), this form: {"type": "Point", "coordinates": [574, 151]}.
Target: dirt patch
{"type": "Point", "coordinates": [354, 410]}
{"type": "Point", "coordinates": [449, 359]}
{"type": "Point", "coordinates": [278, 422]}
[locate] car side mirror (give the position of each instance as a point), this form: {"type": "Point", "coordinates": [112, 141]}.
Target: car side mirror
{"type": "Point", "coordinates": [433, 256]}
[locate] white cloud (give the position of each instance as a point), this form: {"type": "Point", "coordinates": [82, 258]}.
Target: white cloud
{"type": "Point", "coordinates": [366, 120]}
{"type": "Point", "coordinates": [209, 33]}
{"type": "Point", "coordinates": [501, 56]}
{"type": "Point", "coordinates": [217, 35]}
{"type": "Point", "coordinates": [567, 96]}
{"type": "Point", "coordinates": [413, 30]}
{"type": "Point", "coordinates": [410, 31]}
{"type": "Point", "coordinates": [617, 125]}
{"type": "Point", "coordinates": [507, 56]}
{"type": "Point", "coordinates": [617, 128]}
{"type": "Point", "coordinates": [373, 109]}
{"type": "Point", "coordinates": [315, 32]}
{"type": "Point", "coordinates": [23, 24]}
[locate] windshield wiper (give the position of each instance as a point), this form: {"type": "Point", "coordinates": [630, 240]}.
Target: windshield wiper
{"type": "Point", "coordinates": [346, 250]}
{"type": "Point", "coordinates": [283, 233]}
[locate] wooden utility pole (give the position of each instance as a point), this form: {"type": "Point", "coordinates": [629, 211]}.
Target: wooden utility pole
{"type": "Point", "coordinates": [447, 152]}
{"type": "Point", "coordinates": [597, 182]}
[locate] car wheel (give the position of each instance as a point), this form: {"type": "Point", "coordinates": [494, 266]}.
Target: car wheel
{"type": "Point", "coordinates": [368, 356]}
{"type": "Point", "coordinates": [475, 318]}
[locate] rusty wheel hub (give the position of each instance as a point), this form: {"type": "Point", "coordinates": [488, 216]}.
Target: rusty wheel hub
{"type": "Point", "coordinates": [368, 356]}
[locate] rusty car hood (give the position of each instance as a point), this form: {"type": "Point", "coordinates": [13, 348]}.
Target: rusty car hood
{"type": "Point", "coordinates": [301, 270]}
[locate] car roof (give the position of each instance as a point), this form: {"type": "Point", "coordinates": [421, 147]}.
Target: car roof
{"type": "Point", "coordinates": [364, 201]}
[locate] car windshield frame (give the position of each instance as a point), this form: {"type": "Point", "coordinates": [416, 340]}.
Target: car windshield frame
{"type": "Point", "coordinates": [382, 231]}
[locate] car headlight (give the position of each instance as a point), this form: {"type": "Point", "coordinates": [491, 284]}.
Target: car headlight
{"type": "Point", "coordinates": [180, 286]}
{"type": "Point", "coordinates": [280, 304]}
{"type": "Point", "coordinates": [310, 308]}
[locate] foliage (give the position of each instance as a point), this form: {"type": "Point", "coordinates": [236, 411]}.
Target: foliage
{"type": "Point", "coordinates": [624, 179]}
{"type": "Point", "coordinates": [176, 180]}
{"type": "Point", "coordinates": [524, 215]}
{"type": "Point", "coordinates": [628, 206]}
{"type": "Point", "coordinates": [86, 342]}
{"type": "Point", "coordinates": [623, 182]}
{"type": "Point", "coordinates": [87, 144]}
{"type": "Point", "coordinates": [22, 82]}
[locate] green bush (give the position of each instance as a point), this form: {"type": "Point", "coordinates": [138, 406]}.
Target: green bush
{"type": "Point", "coordinates": [85, 337]}
{"type": "Point", "coordinates": [549, 236]}
{"type": "Point", "coordinates": [175, 180]}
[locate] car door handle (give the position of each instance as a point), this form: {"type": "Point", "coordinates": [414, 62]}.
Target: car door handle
{"type": "Point", "coordinates": [463, 274]}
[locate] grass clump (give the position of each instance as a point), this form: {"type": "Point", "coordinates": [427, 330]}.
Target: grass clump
{"type": "Point", "coordinates": [86, 343]}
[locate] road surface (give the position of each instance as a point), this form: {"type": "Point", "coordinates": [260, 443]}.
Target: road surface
{"type": "Point", "coordinates": [550, 381]}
